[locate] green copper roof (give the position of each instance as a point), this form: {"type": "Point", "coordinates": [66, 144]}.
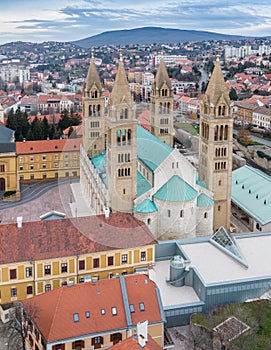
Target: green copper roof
{"type": "Point", "coordinates": [176, 190]}
{"type": "Point", "coordinates": [251, 191]}
{"type": "Point", "coordinates": [142, 184]}
{"type": "Point", "coordinates": [147, 206]}
{"type": "Point", "coordinates": [99, 163]}
{"type": "Point", "coordinates": [204, 201]}
{"type": "Point", "coordinates": [150, 149]}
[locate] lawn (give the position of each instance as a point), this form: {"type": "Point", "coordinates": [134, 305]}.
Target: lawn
{"type": "Point", "coordinates": [256, 314]}
{"type": "Point", "coordinates": [191, 128]}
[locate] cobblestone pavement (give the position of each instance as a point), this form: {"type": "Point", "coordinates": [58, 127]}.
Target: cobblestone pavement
{"type": "Point", "coordinates": [57, 198]}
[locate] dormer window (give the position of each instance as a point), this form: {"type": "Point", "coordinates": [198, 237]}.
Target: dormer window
{"type": "Point", "coordinates": [103, 312]}
{"type": "Point", "coordinates": [76, 317]}
{"type": "Point", "coordinates": [114, 311]}
{"type": "Point", "coordinates": [141, 306]}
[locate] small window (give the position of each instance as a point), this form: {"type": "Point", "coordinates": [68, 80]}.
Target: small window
{"type": "Point", "coordinates": [124, 258]}
{"type": "Point", "coordinates": [28, 271]}
{"type": "Point", "coordinates": [96, 262]}
{"type": "Point", "coordinates": [31, 167]}
{"type": "Point", "coordinates": [132, 308]}
{"type": "Point", "coordinates": [143, 256]}
{"type": "Point", "coordinates": [110, 260]}
{"type": "Point", "coordinates": [47, 287]}
{"type": "Point", "coordinates": [103, 311]}
{"type": "Point", "coordinates": [81, 264]}
{"type": "Point", "coordinates": [13, 274]}
{"type": "Point", "coordinates": [75, 317]}
{"type": "Point", "coordinates": [219, 208]}
{"type": "Point", "coordinates": [205, 215]}
{"type": "Point", "coordinates": [141, 306]}
{"type": "Point", "coordinates": [43, 157]}
{"type": "Point", "coordinates": [64, 267]}
{"type": "Point", "coordinates": [87, 314]}
{"type": "Point", "coordinates": [29, 290]}
{"type": "Point", "coordinates": [47, 269]}
{"type": "Point", "coordinates": [182, 213]}
{"type": "Point", "coordinates": [219, 183]}
{"type": "Point", "coordinates": [21, 167]}
{"type": "Point", "coordinates": [114, 311]}
{"type": "Point", "coordinates": [168, 213]}
{"type": "Point", "coordinates": [13, 292]}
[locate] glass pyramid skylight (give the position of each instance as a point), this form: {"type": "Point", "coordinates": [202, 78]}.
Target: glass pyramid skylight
{"type": "Point", "coordinates": [224, 241]}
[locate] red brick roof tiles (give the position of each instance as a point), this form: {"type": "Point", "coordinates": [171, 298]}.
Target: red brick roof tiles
{"type": "Point", "coordinates": [55, 309]}
{"type": "Point", "coordinates": [47, 146]}
{"type": "Point", "coordinates": [66, 237]}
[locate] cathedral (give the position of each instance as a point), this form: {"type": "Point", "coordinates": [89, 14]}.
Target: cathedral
{"type": "Point", "coordinates": [124, 167]}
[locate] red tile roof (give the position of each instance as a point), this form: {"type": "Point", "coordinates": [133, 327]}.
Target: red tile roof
{"type": "Point", "coordinates": [77, 128]}
{"type": "Point", "coordinates": [132, 344]}
{"type": "Point", "coordinates": [66, 237]}
{"type": "Point", "coordinates": [56, 309]}
{"type": "Point", "coordinates": [144, 119]}
{"type": "Point", "coordinates": [47, 146]}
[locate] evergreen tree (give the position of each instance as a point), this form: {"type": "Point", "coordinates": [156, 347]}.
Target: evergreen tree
{"type": "Point", "coordinates": [46, 128]}
{"type": "Point", "coordinates": [11, 120]}
{"type": "Point", "coordinates": [64, 121]}
{"type": "Point", "coordinates": [233, 94]}
{"type": "Point", "coordinates": [29, 136]}
{"type": "Point", "coordinates": [36, 129]}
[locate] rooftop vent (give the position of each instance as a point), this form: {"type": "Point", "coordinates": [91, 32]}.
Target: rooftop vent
{"type": "Point", "coordinates": [19, 222]}
{"type": "Point", "coordinates": [106, 212]}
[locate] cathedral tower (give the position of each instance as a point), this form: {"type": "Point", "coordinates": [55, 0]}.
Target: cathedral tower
{"type": "Point", "coordinates": [93, 112]}
{"type": "Point", "coordinates": [215, 162]}
{"type": "Point", "coordinates": [121, 155]}
{"type": "Point", "coordinates": [162, 106]}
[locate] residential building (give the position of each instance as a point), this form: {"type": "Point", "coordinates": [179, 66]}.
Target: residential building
{"type": "Point", "coordinates": [43, 255]}
{"type": "Point", "coordinates": [94, 315]}
{"type": "Point", "coordinates": [48, 159]}
{"type": "Point", "coordinates": [8, 176]}
{"type": "Point", "coordinates": [261, 117]}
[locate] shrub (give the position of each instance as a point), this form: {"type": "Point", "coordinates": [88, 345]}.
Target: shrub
{"type": "Point", "coordinates": [9, 193]}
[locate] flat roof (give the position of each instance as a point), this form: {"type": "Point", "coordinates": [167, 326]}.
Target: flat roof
{"type": "Point", "coordinates": [171, 295]}
{"type": "Point", "coordinates": [215, 266]}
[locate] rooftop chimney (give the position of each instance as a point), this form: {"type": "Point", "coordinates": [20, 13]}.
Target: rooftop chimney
{"type": "Point", "coordinates": [142, 333]}
{"type": "Point", "coordinates": [106, 212]}
{"type": "Point", "coordinates": [19, 222]}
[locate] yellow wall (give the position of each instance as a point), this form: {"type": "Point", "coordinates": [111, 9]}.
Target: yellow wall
{"type": "Point", "coordinates": [38, 279]}
{"type": "Point", "coordinates": [65, 164]}
{"type": "Point", "coordinates": [9, 173]}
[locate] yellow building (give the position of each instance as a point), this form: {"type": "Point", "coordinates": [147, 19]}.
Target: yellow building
{"type": "Point", "coordinates": [40, 256]}
{"type": "Point", "coordinates": [48, 159]}
{"type": "Point", "coordinates": [95, 315]}
{"type": "Point", "coordinates": [8, 178]}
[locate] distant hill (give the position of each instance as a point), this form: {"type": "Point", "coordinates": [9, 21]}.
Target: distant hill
{"type": "Point", "coordinates": [151, 35]}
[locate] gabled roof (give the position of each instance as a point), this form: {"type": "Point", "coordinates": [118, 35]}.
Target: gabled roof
{"type": "Point", "coordinates": [150, 149]}
{"type": "Point", "coordinates": [67, 237]}
{"type": "Point", "coordinates": [176, 190]}
{"type": "Point", "coordinates": [47, 146]}
{"type": "Point", "coordinates": [56, 309]}
{"type": "Point", "coordinates": [251, 191]}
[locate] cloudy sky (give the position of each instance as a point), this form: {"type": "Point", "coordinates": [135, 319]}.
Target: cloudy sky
{"type": "Point", "coordinates": [65, 20]}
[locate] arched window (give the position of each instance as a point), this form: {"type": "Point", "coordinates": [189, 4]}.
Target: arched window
{"type": "Point", "coordinates": [149, 221]}
{"type": "Point", "coordinates": [90, 111]}
{"type": "Point", "coordinates": [126, 113]}
{"type": "Point", "coordinates": [205, 215]}
{"type": "Point", "coordinates": [99, 110]}
{"type": "Point", "coordinates": [182, 213]}
{"type": "Point", "coordinates": [226, 132]}
{"type": "Point", "coordinates": [216, 133]}
{"type": "Point", "coordinates": [221, 133]}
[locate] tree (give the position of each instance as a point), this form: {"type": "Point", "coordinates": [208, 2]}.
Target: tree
{"type": "Point", "coordinates": [36, 128]}
{"type": "Point", "coordinates": [46, 128]}
{"type": "Point", "coordinates": [233, 94]}
{"type": "Point", "coordinates": [64, 121]}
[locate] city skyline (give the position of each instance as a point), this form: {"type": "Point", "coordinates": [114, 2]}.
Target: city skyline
{"type": "Point", "coordinates": [67, 20]}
